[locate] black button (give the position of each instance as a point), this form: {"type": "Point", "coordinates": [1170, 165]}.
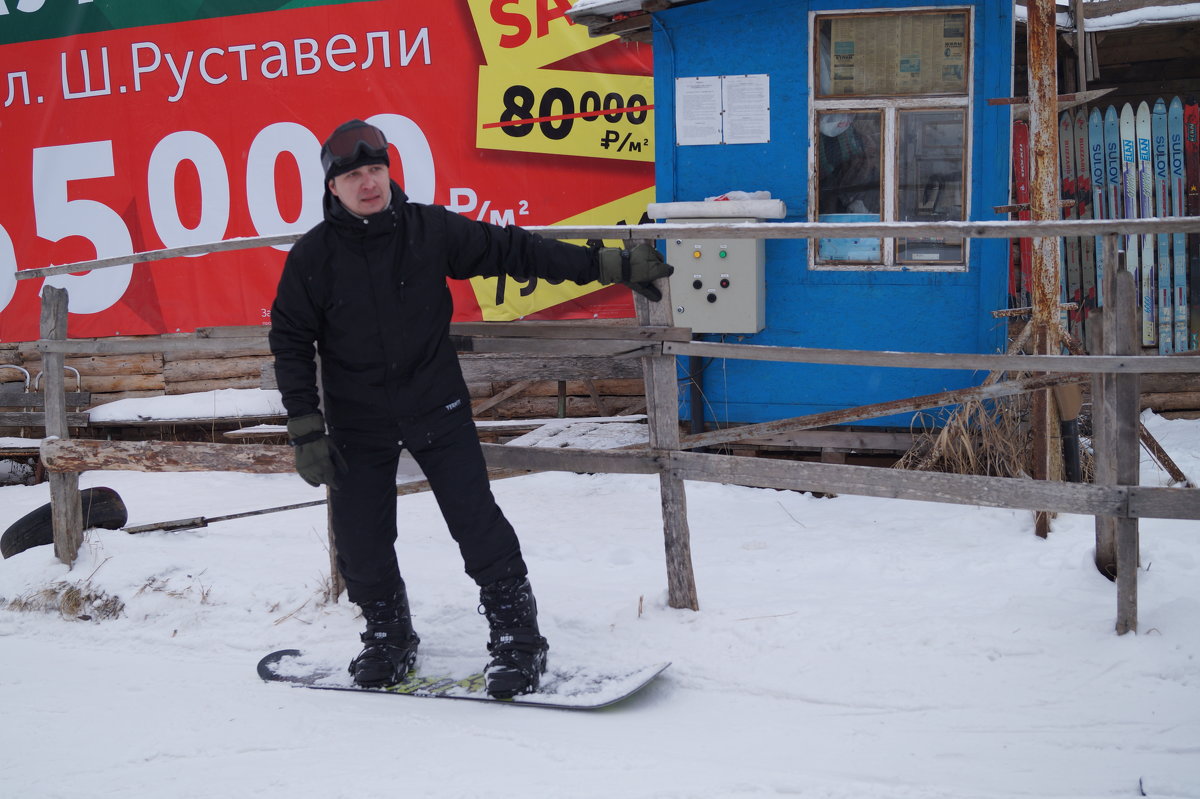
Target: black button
{"type": "Point", "coordinates": [712, 296]}
{"type": "Point", "coordinates": [697, 284]}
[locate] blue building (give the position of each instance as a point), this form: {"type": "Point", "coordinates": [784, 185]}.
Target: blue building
{"type": "Point", "coordinates": [844, 111]}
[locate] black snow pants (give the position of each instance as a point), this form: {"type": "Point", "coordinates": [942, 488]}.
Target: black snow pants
{"type": "Point", "coordinates": [445, 445]}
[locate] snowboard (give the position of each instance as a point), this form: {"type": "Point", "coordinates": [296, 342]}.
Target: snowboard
{"type": "Point", "coordinates": [562, 688]}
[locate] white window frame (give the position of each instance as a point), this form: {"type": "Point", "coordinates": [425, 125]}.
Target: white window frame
{"type": "Point", "coordinates": [889, 106]}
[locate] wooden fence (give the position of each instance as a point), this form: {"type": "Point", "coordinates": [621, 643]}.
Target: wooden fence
{"type": "Point", "coordinates": [1115, 498]}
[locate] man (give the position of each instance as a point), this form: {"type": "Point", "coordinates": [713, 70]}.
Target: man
{"type": "Point", "coordinates": [366, 290]}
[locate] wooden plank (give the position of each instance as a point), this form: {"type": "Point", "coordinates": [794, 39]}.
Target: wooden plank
{"type": "Point", "coordinates": [1156, 502]}
{"type": "Point", "coordinates": [1085, 364]}
{"type": "Point", "coordinates": [849, 440]}
{"type": "Point", "coordinates": [149, 344]}
{"type": "Point", "coordinates": [1121, 404]}
{"type": "Point", "coordinates": [66, 507]}
{"type": "Point", "coordinates": [485, 404]}
{"type": "Point", "coordinates": [38, 419]}
{"type": "Point", "coordinates": [851, 415]}
{"type": "Point", "coordinates": [662, 404]}
{"type": "Point", "coordinates": [180, 352]}
{"type": "Point", "coordinates": [793, 230]}
{"type": "Point", "coordinates": [215, 384]}
{"type": "Point", "coordinates": [161, 255]}
{"type": "Point", "coordinates": [36, 399]}
{"type": "Point", "coordinates": [570, 330]}
{"type": "Point", "coordinates": [179, 456]}
{"type": "Point", "coordinates": [578, 388]}
{"type": "Point", "coordinates": [1103, 424]}
{"type": "Point", "coordinates": [581, 461]}
{"type": "Point", "coordinates": [502, 368]}
{"type": "Point", "coordinates": [205, 421]}
{"type": "Point", "coordinates": [527, 408]}
{"type": "Point", "coordinates": [178, 371]}
{"type": "Point", "coordinates": [995, 492]}
{"type": "Point", "coordinates": [104, 399]}
{"type": "Point", "coordinates": [1174, 401]}
{"type": "Point", "coordinates": [78, 455]}
{"type": "Point", "coordinates": [629, 348]}
{"type": "Point", "coordinates": [100, 365]}
{"type": "Point", "coordinates": [594, 393]}
{"type": "Point", "coordinates": [234, 331]}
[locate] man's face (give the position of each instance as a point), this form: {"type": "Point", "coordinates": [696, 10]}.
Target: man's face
{"type": "Point", "coordinates": [364, 191]}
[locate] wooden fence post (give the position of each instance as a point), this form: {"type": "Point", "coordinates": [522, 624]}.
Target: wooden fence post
{"type": "Point", "coordinates": [1102, 418]}
{"type": "Point", "coordinates": [1122, 406]}
{"type": "Point", "coordinates": [66, 507]}
{"type": "Point", "coordinates": [662, 410]}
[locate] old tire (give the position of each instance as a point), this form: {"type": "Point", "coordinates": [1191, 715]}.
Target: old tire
{"type": "Point", "coordinates": [102, 507]}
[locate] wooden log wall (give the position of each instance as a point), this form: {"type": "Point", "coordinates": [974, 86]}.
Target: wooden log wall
{"type": "Point", "coordinates": [616, 387]}
{"type": "Point", "coordinates": [613, 386]}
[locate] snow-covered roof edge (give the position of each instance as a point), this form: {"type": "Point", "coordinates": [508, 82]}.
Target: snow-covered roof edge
{"type": "Point", "coordinates": [1108, 15]}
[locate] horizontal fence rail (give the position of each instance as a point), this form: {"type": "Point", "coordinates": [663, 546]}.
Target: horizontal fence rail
{"type": "Point", "coordinates": [997, 229]}
{"type": "Point", "coordinates": [1142, 502]}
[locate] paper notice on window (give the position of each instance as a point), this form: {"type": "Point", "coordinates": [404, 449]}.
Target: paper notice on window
{"type": "Point", "coordinates": [887, 54]}
{"type": "Point", "coordinates": [698, 110]}
{"type": "Point", "coordinates": [747, 103]}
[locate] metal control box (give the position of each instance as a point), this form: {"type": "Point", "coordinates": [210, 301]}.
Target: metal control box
{"type": "Point", "coordinates": [718, 284]}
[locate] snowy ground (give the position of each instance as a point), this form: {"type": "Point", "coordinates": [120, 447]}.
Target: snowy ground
{"type": "Point", "coordinates": [846, 648]}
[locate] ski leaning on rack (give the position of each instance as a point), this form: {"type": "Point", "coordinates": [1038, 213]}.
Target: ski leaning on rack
{"type": "Point", "coordinates": [1099, 190]}
{"type": "Point", "coordinates": [1162, 207]}
{"type": "Point", "coordinates": [1175, 179]}
{"type": "Point", "coordinates": [1145, 171]}
{"type": "Point", "coordinates": [574, 688]}
{"type": "Point", "coordinates": [1114, 202]}
{"type": "Point", "coordinates": [1071, 284]}
{"type": "Point", "coordinates": [1084, 210]}
{"type": "Point", "coordinates": [1191, 168]}
{"type": "Point", "coordinates": [1022, 250]}
{"type": "Point", "coordinates": [1130, 193]}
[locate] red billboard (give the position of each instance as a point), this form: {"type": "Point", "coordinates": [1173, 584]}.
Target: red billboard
{"type": "Point", "coordinates": [133, 126]}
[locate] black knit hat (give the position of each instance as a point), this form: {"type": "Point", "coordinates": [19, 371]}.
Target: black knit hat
{"type": "Point", "coordinates": [351, 145]}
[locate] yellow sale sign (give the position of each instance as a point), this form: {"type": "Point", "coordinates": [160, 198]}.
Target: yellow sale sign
{"type": "Point", "coordinates": [562, 112]}
{"type": "Point", "coordinates": [529, 33]}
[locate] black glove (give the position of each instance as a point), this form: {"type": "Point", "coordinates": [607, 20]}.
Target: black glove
{"type": "Point", "coordinates": [317, 459]}
{"type": "Point", "coordinates": [637, 268]}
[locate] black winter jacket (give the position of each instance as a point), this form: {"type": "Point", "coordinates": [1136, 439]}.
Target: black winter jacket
{"type": "Point", "coordinates": [370, 294]}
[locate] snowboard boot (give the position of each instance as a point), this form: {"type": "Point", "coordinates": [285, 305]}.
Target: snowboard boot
{"type": "Point", "coordinates": [390, 643]}
{"type": "Point", "coordinates": [518, 650]}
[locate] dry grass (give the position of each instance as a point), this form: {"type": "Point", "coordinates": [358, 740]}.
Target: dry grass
{"type": "Point", "coordinates": [83, 602]}
{"type": "Point", "coordinates": [989, 437]}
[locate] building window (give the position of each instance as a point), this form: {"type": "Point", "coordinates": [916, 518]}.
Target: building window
{"type": "Point", "coordinates": [891, 132]}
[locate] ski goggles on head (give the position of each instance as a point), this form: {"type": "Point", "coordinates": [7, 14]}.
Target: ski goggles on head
{"type": "Point", "coordinates": [345, 147]}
